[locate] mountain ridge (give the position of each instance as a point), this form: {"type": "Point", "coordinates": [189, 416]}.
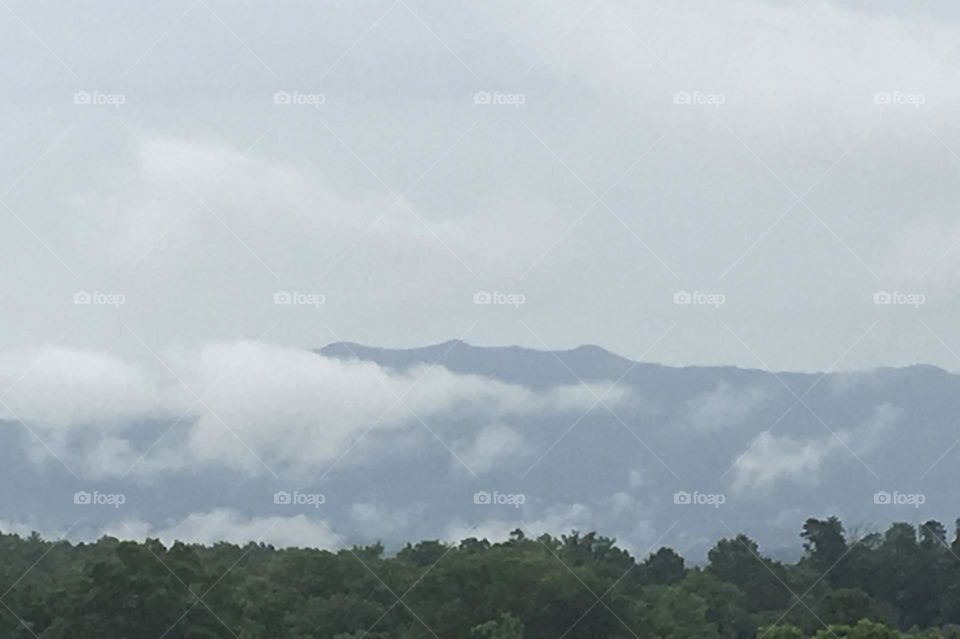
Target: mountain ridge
{"type": "Point", "coordinates": [442, 350]}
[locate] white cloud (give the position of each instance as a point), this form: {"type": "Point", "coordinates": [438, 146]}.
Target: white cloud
{"type": "Point", "coordinates": [24, 529]}
{"type": "Point", "coordinates": [562, 519]}
{"type": "Point", "coordinates": [206, 528]}
{"type": "Point", "coordinates": [375, 519]}
{"type": "Point", "coordinates": [226, 525]}
{"type": "Point", "coordinates": [724, 406]}
{"type": "Point", "coordinates": [771, 459]}
{"type": "Point", "coordinates": [491, 447]}
{"type": "Point", "coordinates": [254, 407]}
{"type": "Point", "coordinates": [298, 410]}
{"type": "Point", "coordinates": [78, 404]}
{"type": "Point", "coordinates": [144, 217]}
{"type": "Point", "coordinates": [556, 520]}
{"type": "Point", "coordinates": [63, 388]}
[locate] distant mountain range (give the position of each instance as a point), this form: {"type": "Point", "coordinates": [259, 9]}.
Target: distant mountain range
{"type": "Point", "coordinates": [779, 447]}
{"type": "Point", "coordinates": [548, 441]}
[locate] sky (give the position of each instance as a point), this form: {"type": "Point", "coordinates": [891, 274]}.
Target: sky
{"type": "Point", "coordinates": [195, 192]}
{"type": "Point", "coordinates": [776, 164]}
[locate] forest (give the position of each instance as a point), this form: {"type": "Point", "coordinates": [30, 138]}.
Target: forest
{"type": "Point", "coordinates": [904, 582]}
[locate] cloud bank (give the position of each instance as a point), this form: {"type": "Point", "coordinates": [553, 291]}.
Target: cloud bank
{"type": "Point", "coordinates": [257, 408]}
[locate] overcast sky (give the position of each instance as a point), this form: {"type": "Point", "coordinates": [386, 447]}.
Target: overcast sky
{"type": "Point", "coordinates": [776, 164]}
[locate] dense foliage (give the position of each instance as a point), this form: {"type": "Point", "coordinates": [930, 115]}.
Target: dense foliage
{"type": "Point", "coordinates": [905, 582]}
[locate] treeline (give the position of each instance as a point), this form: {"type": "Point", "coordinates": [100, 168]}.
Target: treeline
{"type": "Point", "coordinates": [901, 583]}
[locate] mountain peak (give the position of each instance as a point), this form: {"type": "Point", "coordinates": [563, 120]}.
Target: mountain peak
{"type": "Point", "coordinates": [512, 364]}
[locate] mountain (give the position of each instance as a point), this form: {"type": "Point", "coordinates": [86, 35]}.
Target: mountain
{"type": "Point", "coordinates": [454, 440]}
{"type": "Point", "coordinates": [777, 446]}
{"type": "Point", "coordinates": [510, 364]}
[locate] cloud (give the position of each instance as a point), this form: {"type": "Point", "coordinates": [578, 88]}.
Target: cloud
{"type": "Point", "coordinates": [208, 528]}
{"type": "Point", "coordinates": [309, 202]}
{"type": "Point", "coordinates": [639, 478]}
{"type": "Point", "coordinates": [25, 529]}
{"type": "Point", "coordinates": [63, 388]}
{"type": "Point", "coordinates": [143, 218]}
{"type": "Point", "coordinates": [769, 459]}
{"type": "Point", "coordinates": [292, 219]}
{"type": "Point", "coordinates": [622, 503]}
{"type": "Point", "coordinates": [556, 520]}
{"type": "Point", "coordinates": [375, 519]}
{"type": "Point", "coordinates": [491, 447]}
{"type": "Point", "coordinates": [227, 525]}
{"type": "Point", "coordinates": [298, 411]}
{"type": "Point", "coordinates": [724, 406]}
{"type": "Point", "coordinates": [77, 404]}
{"type": "Point", "coordinates": [255, 408]}
{"type": "Point", "coordinates": [609, 514]}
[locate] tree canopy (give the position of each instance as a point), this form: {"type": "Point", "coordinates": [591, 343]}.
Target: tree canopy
{"type": "Point", "coordinates": [902, 583]}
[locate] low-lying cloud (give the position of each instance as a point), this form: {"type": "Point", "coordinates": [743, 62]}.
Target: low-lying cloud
{"type": "Point", "coordinates": [255, 408]}
{"type": "Point", "coordinates": [770, 459]}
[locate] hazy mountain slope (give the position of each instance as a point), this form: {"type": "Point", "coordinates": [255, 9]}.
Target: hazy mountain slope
{"type": "Point", "coordinates": [400, 441]}
{"type": "Point", "coordinates": [848, 436]}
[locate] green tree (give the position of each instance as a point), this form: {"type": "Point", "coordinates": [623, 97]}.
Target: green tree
{"type": "Point", "coordinates": [784, 631]}
{"type": "Point", "coordinates": [738, 561]}
{"type": "Point", "coordinates": [663, 567]}
{"type": "Point", "coordinates": [506, 627]}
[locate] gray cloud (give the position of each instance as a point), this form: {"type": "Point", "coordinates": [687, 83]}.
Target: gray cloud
{"type": "Point", "coordinates": [494, 197]}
